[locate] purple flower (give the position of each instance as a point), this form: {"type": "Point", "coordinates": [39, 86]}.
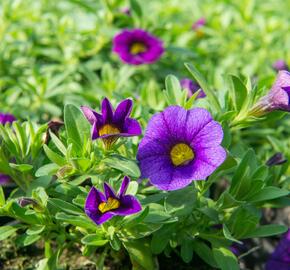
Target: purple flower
{"type": "Point", "coordinates": [280, 65]}
{"type": "Point", "coordinates": [4, 179]}
{"type": "Point", "coordinates": [199, 23]}
{"type": "Point", "coordinates": [126, 11]}
{"type": "Point", "coordinates": [191, 87]}
{"type": "Point", "coordinates": [280, 258]}
{"type": "Point", "coordinates": [179, 147]}
{"type": "Point", "coordinates": [101, 207]}
{"type": "Point", "coordinates": [110, 125]}
{"type": "Point", "coordinates": [278, 98]}
{"type": "Point", "coordinates": [276, 159]}
{"type": "Point", "coordinates": [137, 47]}
{"type": "Point", "coordinates": [6, 118]}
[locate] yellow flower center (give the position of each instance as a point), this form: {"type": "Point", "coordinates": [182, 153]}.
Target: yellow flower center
{"type": "Point", "coordinates": [111, 204]}
{"type": "Point", "coordinates": [108, 129]}
{"type": "Point", "coordinates": [181, 154]}
{"type": "Point", "coordinates": [137, 48]}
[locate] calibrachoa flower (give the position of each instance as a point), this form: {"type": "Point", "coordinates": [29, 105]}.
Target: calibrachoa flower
{"type": "Point", "coordinates": [280, 65]}
{"type": "Point", "coordinates": [280, 258]}
{"type": "Point", "coordinates": [199, 23]}
{"type": "Point", "coordinates": [4, 179]}
{"type": "Point", "coordinates": [179, 147]}
{"type": "Point", "coordinates": [278, 98]}
{"type": "Point", "coordinates": [101, 207]}
{"type": "Point", "coordinates": [137, 47]}
{"type": "Point", "coordinates": [110, 125]}
{"type": "Point", "coordinates": [6, 118]}
{"type": "Point", "coordinates": [191, 87]}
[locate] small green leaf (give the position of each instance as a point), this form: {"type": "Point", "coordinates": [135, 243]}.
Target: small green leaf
{"type": "Point", "coordinates": [136, 8]}
{"type": "Point", "coordinates": [267, 230]}
{"type": "Point", "coordinates": [225, 259]}
{"type": "Point", "coordinates": [94, 240]}
{"type": "Point", "coordinates": [53, 156]}
{"type": "Point", "coordinates": [6, 231]}
{"type": "Point", "coordinates": [269, 193]}
{"type": "Point", "coordinates": [21, 167]}
{"type": "Point", "coordinates": [204, 252]}
{"type": "Point", "coordinates": [66, 206]}
{"type": "Point", "coordinates": [35, 229]}
{"type": "Point", "coordinates": [128, 167]}
{"type": "Point", "coordinates": [186, 250]}
{"type": "Point", "coordinates": [47, 169]}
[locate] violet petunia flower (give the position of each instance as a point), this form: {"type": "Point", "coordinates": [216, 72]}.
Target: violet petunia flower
{"type": "Point", "coordinates": [100, 207]}
{"type": "Point", "coordinates": [278, 97]}
{"type": "Point", "coordinates": [137, 47]}
{"type": "Point", "coordinates": [180, 146]}
{"type": "Point", "coordinates": [4, 179]}
{"type": "Point", "coordinates": [199, 23]}
{"type": "Point", "coordinates": [110, 125]}
{"type": "Point", "coordinates": [191, 87]}
{"type": "Point", "coordinates": [6, 118]}
{"type": "Point", "coordinates": [280, 65]}
{"type": "Point", "coordinates": [280, 258]}
{"type": "Point", "coordinates": [276, 159]}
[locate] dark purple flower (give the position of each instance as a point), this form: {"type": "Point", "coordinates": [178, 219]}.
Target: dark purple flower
{"type": "Point", "coordinates": [191, 87]}
{"type": "Point", "coordinates": [199, 23]}
{"type": "Point", "coordinates": [278, 98]}
{"type": "Point", "coordinates": [280, 258]}
{"type": "Point", "coordinates": [110, 125]}
{"type": "Point", "coordinates": [179, 147]}
{"type": "Point", "coordinates": [4, 179]}
{"type": "Point", "coordinates": [101, 207]}
{"type": "Point", "coordinates": [27, 201]}
{"type": "Point", "coordinates": [280, 65]}
{"type": "Point", "coordinates": [277, 159]}
{"type": "Point", "coordinates": [6, 118]}
{"type": "Point", "coordinates": [137, 47]}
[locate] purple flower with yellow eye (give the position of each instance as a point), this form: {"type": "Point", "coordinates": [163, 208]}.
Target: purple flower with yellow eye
{"type": "Point", "coordinates": [180, 146]}
{"type": "Point", "coordinates": [137, 47]}
{"type": "Point", "coordinates": [191, 87]}
{"type": "Point", "coordinates": [280, 258]}
{"type": "Point", "coordinates": [278, 97]}
{"type": "Point", "coordinates": [100, 207]}
{"type": "Point", "coordinates": [280, 65]}
{"type": "Point", "coordinates": [112, 124]}
{"type": "Point", "coordinates": [6, 118]}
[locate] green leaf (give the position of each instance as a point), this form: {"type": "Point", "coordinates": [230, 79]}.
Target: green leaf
{"type": "Point", "coordinates": [162, 237]}
{"type": "Point", "coordinates": [180, 202]}
{"type": "Point", "coordinates": [21, 167]}
{"type": "Point", "coordinates": [2, 197]}
{"type": "Point", "coordinates": [204, 86]}
{"type": "Point", "coordinates": [204, 252]}
{"type": "Point", "coordinates": [48, 169]}
{"type": "Point", "coordinates": [136, 8]}
{"type": "Point", "coordinates": [6, 231]}
{"type": "Point", "coordinates": [228, 235]}
{"type": "Point", "coordinates": [77, 126]}
{"type": "Point", "coordinates": [238, 91]}
{"type": "Point", "coordinates": [26, 240]}
{"type": "Point", "coordinates": [57, 142]}
{"type": "Point", "coordinates": [156, 214]}
{"type": "Point", "coordinates": [94, 240]}
{"type": "Point", "coordinates": [66, 206]}
{"type": "Point", "coordinates": [140, 255]}
{"type": "Point", "coordinates": [267, 230]}
{"type": "Point", "coordinates": [53, 156]}
{"type": "Point", "coordinates": [80, 221]}
{"type": "Point", "coordinates": [20, 214]}
{"type": "Point", "coordinates": [173, 92]}
{"type": "Point", "coordinates": [269, 193]}
{"type": "Point", "coordinates": [225, 259]}
{"type": "Point", "coordinates": [128, 167]}
{"type": "Point", "coordinates": [35, 229]}
{"type": "Point", "coordinates": [186, 250]}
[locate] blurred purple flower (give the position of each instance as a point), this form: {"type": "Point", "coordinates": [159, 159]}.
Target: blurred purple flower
{"type": "Point", "coordinates": [280, 65]}
{"type": "Point", "coordinates": [179, 147]}
{"type": "Point", "coordinates": [278, 97]}
{"type": "Point", "coordinates": [6, 118]}
{"type": "Point", "coordinates": [277, 159]}
{"type": "Point", "coordinates": [199, 23]}
{"type": "Point", "coordinates": [100, 207]}
{"type": "Point", "coordinates": [137, 47]}
{"type": "Point", "coordinates": [191, 87]}
{"type": "Point", "coordinates": [126, 11]}
{"type": "Point", "coordinates": [4, 179]}
{"type": "Point", "coordinates": [280, 258]}
{"type": "Point", "coordinates": [110, 125]}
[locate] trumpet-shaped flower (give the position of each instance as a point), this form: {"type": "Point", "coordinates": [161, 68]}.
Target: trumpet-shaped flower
{"type": "Point", "coordinates": [137, 47]}
{"type": "Point", "coordinates": [110, 125]}
{"type": "Point", "coordinates": [101, 207]}
{"type": "Point", "coordinates": [179, 147]}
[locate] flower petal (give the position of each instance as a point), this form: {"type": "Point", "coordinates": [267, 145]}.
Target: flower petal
{"type": "Point", "coordinates": [124, 186]}
{"type": "Point", "coordinates": [89, 114]}
{"type": "Point", "coordinates": [123, 111]}
{"type": "Point", "coordinates": [98, 217]}
{"type": "Point", "coordinates": [107, 111]}
{"type": "Point", "coordinates": [94, 198]}
{"type": "Point", "coordinates": [128, 205]}
{"type": "Point", "coordinates": [131, 127]}
{"type": "Point", "coordinates": [109, 192]}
